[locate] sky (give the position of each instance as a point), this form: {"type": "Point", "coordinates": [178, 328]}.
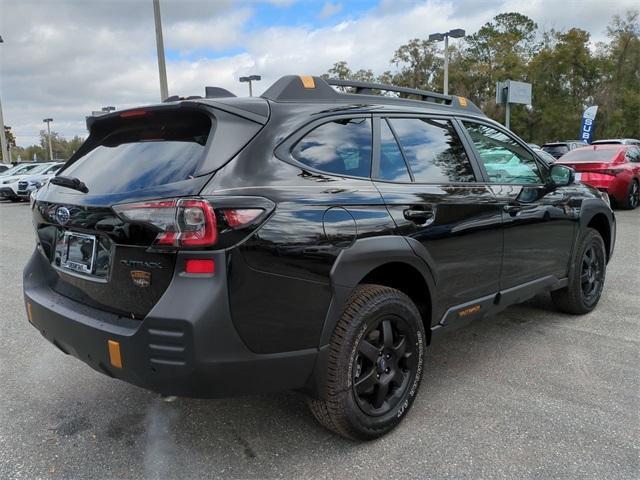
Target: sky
{"type": "Point", "coordinates": [65, 58]}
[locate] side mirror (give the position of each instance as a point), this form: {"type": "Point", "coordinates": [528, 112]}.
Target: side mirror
{"type": "Point", "coordinates": [561, 175]}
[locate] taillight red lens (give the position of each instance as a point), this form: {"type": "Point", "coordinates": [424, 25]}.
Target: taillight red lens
{"type": "Point", "coordinates": [197, 222]}
{"type": "Point", "coordinates": [197, 265]}
{"type": "Point", "coordinates": [183, 222]}
{"type": "Point", "coordinates": [239, 217]}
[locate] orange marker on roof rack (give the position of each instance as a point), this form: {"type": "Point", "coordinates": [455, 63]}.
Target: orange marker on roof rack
{"type": "Point", "coordinates": [308, 81]}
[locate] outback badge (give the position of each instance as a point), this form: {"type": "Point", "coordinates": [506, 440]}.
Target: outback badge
{"type": "Point", "coordinates": [141, 278]}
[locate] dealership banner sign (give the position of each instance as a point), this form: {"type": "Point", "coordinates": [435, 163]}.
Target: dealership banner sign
{"type": "Point", "coordinates": [588, 123]}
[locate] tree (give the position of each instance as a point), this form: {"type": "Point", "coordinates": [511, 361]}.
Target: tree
{"type": "Point", "coordinates": [567, 71]}
{"type": "Point", "coordinates": [619, 97]}
{"type": "Point", "coordinates": [416, 64]}
{"type": "Point", "coordinates": [11, 138]}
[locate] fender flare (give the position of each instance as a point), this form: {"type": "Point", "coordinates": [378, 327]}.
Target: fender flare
{"type": "Point", "coordinates": [589, 209]}
{"type": "Point", "coordinates": [349, 268]}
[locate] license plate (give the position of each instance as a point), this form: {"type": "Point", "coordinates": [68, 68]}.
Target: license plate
{"type": "Point", "coordinates": [77, 252]}
{"type": "Point", "coordinates": [578, 176]}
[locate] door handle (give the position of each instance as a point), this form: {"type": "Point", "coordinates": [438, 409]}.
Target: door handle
{"type": "Point", "coordinates": [512, 209]}
{"type": "Point", "coordinates": [419, 217]}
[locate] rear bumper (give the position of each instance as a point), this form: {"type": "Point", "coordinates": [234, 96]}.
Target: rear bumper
{"type": "Point", "coordinates": [186, 346]}
{"type": "Point", "coordinates": [615, 187]}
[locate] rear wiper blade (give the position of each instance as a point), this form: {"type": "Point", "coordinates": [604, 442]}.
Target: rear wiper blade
{"type": "Point", "coordinates": [69, 182]}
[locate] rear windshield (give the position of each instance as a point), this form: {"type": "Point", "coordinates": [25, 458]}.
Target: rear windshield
{"type": "Point", "coordinates": [604, 155]}
{"type": "Point", "coordinates": [145, 152]}
{"type": "Point", "coordinates": [556, 150]}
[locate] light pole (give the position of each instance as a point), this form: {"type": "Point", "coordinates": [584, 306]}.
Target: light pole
{"type": "Point", "coordinates": [3, 138]}
{"type": "Point", "coordinates": [48, 122]}
{"type": "Point", "coordinates": [162, 68]}
{"type": "Point", "coordinates": [438, 37]}
{"type": "Point", "coordinates": [249, 79]}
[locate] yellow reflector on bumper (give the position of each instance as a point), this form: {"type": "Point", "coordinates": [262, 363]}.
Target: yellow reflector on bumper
{"type": "Point", "coordinates": [114, 353]}
{"type": "Point", "coordinates": [29, 313]}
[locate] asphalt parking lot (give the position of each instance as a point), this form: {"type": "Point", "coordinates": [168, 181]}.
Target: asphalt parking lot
{"type": "Point", "coordinates": [529, 393]}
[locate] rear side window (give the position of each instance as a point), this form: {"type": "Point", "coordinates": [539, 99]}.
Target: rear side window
{"type": "Point", "coordinates": [341, 147]}
{"type": "Point", "coordinates": [433, 150]}
{"type": "Point", "coordinates": [143, 153]}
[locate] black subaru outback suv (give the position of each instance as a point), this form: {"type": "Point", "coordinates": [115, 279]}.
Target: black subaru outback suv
{"type": "Point", "coordinates": [308, 239]}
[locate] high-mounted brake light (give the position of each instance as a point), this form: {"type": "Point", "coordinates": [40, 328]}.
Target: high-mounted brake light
{"type": "Point", "coordinates": [182, 222]}
{"type": "Point", "coordinates": [133, 113]}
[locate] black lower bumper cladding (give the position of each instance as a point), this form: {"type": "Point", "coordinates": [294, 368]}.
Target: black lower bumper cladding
{"type": "Point", "coordinates": [186, 349]}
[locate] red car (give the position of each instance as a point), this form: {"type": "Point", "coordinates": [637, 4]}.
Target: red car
{"type": "Point", "coordinates": [614, 169]}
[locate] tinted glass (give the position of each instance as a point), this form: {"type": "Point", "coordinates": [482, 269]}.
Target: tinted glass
{"type": "Point", "coordinates": [433, 150]}
{"type": "Point", "coordinates": [591, 154]}
{"type": "Point", "coordinates": [52, 169]}
{"type": "Point", "coordinates": [392, 165]}
{"type": "Point", "coordinates": [342, 147]}
{"type": "Point", "coordinates": [154, 152]}
{"type": "Point", "coordinates": [556, 150]}
{"type": "Point", "coordinates": [504, 159]}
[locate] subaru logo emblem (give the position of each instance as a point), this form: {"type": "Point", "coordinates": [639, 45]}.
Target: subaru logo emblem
{"type": "Point", "coordinates": [62, 215]}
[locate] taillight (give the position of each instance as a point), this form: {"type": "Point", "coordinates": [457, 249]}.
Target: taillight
{"type": "Point", "coordinates": [215, 221]}
{"type": "Point", "coordinates": [183, 223]}
{"type": "Point", "coordinates": [240, 217]}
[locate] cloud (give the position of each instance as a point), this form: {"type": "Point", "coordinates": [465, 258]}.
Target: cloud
{"type": "Point", "coordinates": [65, 58]}
{"type": "Point", "coordinates": [329, 9]}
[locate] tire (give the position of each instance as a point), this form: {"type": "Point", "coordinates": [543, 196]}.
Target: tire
{"type": "Point", "coordinates": [632, 200]}
{"type": "Point", "coordinates": [586, 276]}
{"type": "Point", "coordinates": [368, 393]}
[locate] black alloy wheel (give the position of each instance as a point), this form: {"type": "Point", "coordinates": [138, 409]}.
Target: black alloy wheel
{"type": "Point", "coordinates": [591, 274]}
{"type": "Point", "coordinates": [383, 366]}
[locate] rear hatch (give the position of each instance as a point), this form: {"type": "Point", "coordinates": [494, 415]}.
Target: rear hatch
{"type": "Point", "coordinates": [131, 160]}
{"type": "Point", "coordinates": [594, 165]}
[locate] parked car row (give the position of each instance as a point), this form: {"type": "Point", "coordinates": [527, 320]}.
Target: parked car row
{"type": "Point", "coordinates": [18, 182]}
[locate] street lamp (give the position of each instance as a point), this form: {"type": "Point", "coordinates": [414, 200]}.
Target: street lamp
{"type": "Point", "coordinates": [249, 79]}
{"type": "Point", "coordinates": [162, 68]}
{"type": "Point", "coordinates": [3, 138]}
{"type": "Point", "coordinates": [48, 122]}
{"type": "Point", "coordinates": [438, 37]}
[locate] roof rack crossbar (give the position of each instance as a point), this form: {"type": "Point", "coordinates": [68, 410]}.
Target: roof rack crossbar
{"type": "Point", "coordinates": [367, 88]}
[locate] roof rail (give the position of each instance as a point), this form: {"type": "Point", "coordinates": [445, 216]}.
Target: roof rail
{"type": "Point", "coordinates": [367, 88]}
{"type": "Point", "coordinates": [299, 88]}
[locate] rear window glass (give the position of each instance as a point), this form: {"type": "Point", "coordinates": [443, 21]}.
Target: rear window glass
{"type": "Point", "coordinates": [341, 147]}
{"type": "Point", "coordinates": [556, 150]}
{"type": "Point", "coordinates": [145, 153]}
{"type": "Point", "coordinates": [590, 155]}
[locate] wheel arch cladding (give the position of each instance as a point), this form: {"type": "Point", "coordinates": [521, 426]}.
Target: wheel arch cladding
{"type": "Point", "coordinates": [388, 261]}
{"type": "Point", "coordinates": [600, 223]}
